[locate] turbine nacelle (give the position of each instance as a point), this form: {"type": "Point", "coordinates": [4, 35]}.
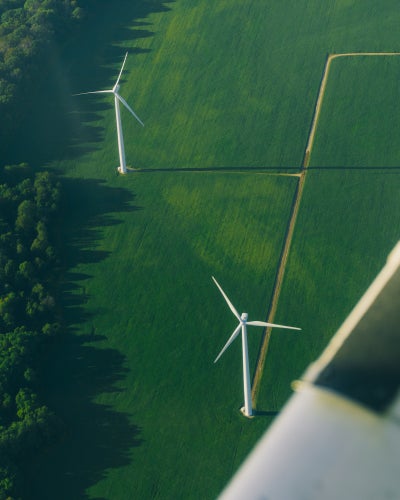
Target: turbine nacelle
{"type": "Point", "coordinates": [244, 317]}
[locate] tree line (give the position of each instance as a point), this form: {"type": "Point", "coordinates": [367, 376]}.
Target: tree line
{"type": "Point", "coordinates": [29, 268]}
{"type": "Point", "coordinates": [28, 313]}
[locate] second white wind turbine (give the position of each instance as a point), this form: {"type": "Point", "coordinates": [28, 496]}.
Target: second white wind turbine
{"type": "Point", "coordinates": [247, 409]}
{"type": "Point", "coordinates": [117, 100]}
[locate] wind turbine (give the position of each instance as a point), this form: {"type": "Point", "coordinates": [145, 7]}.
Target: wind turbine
{"type": "Point", "coordinates": [117, 100]}
{"type": "Point", "coordinates": [242, 326]}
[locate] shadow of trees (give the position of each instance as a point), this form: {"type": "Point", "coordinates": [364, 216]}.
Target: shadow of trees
{"type": "Point", "coordinates": [94, 437]}
{"type": "Point", "coordinates": [87, 206]}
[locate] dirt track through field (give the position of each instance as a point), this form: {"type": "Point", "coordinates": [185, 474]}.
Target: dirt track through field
{"type": "Point", "coordinates": [295, 209]}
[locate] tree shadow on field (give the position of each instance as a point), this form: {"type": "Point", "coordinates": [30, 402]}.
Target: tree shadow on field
{"type": "Point", "coordinates": [87, 207]}
{"type": "Point", "coordinates": [94, 437]}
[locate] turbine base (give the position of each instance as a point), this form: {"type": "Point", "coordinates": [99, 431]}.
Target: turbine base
{"type": "Point", "coordinates": [127, 170]}
{"type": "Point", "coordinates": [243, 410]}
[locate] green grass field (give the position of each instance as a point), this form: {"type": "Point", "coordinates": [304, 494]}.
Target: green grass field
{"type": "Point", "coordinates": [229, 84]}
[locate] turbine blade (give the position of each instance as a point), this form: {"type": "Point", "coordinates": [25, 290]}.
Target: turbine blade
{"type": "Point", "coordinates": [231, 339]}
{"type": "Point", "coordinates": [263, 323]}
{"type": "Point", "coordinates": [120, 73]}
{"type": "Point", "coordinates": [96, 92]}
{"type": "Point", "coordinates": [231, 307]}
{"type": "Point", "coordinates": [129, 108]}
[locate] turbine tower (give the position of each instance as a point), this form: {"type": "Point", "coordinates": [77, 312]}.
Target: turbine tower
{"type": "Point", "coordinates": [117, 100]}
{"type": "Point", "coordinates": [242, 326]}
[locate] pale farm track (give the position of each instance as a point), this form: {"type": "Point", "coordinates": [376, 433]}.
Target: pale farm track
{"type": "Point", "coordinates": [295, 209]}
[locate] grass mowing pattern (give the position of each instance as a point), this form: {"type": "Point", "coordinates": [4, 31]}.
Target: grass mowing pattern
{"type": "Point", "coordinates": [352, 210]}
{"type": "Point", "coordinates": [152, 301]}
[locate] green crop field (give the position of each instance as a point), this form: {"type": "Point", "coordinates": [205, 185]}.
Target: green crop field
{"type": "Point", "coordinates": [228, 88]}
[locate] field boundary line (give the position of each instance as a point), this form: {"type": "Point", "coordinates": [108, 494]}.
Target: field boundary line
{"type": "Point", "coordinates": [295, 209]}
{"type": "Point", "coordinates": [277, 288]}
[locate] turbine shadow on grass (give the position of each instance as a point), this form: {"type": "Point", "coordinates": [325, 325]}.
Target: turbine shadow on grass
{"type": "Point", "coordinates": [224, 169]}
{"type": "Point", "coordinates": [264, 413]}
{"type": "Point", "coordinates": [77, 369]}
{"type": "Point", "coordinates": [265, 169]}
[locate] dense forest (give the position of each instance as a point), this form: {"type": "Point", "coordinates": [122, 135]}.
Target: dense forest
{"type": "Point", "coordinates": [29, 269]}
{"type": "Point", "coordinates": [28, 312]}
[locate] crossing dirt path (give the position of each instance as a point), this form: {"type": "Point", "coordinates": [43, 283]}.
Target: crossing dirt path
{"type": "Point", "coordinates": [295, 209]}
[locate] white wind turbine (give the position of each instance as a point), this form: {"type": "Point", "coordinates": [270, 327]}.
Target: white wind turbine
{"type": "Point", "coordinates": [242, 326]}
{"type": "Point", "coordinates": [117, 100]}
